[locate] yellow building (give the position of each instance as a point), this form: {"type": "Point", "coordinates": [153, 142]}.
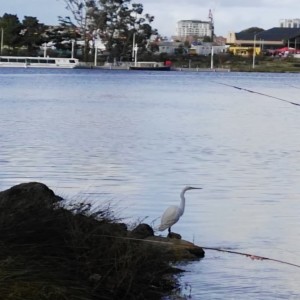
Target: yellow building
{"type": "Point", "coordinates": [244, 51]}
{"type": "Point", "coordinates": [243, 43]}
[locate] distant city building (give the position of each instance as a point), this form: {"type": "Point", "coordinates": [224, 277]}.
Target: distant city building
{"type": "Point", "coordinates": [170, 47]}
{"type": "Point", "coordinates": [206, 49]}
{"type": "Point", "coordinates": [195, 28]}
{"type": "Point", "coordinates": [290, 23]}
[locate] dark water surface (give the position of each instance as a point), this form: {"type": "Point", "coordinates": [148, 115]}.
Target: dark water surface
{"type": "Point", "coordinates": [138, 138]}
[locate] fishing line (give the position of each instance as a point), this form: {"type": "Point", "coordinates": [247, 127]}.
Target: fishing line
{"type": "Point", "coordinates": [252, 256]}
{"type": "Point", "coordinates": [293, 86]}
{"type": "Point", "coordinates": [258, 93]}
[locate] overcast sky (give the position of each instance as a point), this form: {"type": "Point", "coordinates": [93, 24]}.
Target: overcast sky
{"type": "Point", "coordinates": [229, 15]}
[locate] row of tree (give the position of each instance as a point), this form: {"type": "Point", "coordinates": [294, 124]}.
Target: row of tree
{"type": "Point", "coordinates": [117, 23]}
{"type": "Point", "coordinates": [16, 34]}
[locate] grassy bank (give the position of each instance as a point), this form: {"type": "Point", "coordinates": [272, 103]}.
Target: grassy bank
{"type": "Point", "coordinates": [50, 252]}
{"type": "Point", "coordinates": [240, 64]}
{"type": "Point", "coordinates": [267, 64]}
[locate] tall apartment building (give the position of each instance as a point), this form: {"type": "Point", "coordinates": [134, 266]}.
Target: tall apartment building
{"type": "Point", "coordinates": [187, 28]}
{"type": "Point", "coordinates": [290, 23]}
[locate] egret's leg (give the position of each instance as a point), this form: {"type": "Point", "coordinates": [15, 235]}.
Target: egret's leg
{"type": "Point", "coordinates": [169, 229]}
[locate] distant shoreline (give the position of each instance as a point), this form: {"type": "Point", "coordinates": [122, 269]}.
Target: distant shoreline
{"type": "Point", "coordinates": [195, 70]}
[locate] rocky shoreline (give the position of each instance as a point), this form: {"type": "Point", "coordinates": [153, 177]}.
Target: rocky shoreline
{"type": "Point", "coordinates": [83, 248]}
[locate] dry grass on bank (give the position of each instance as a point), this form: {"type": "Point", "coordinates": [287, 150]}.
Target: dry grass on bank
{"type": "Point", "coordinates": [50, 253]}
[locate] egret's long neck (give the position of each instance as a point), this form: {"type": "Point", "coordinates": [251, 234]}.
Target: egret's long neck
{"type": "Point", "coordinates": [182, 202]}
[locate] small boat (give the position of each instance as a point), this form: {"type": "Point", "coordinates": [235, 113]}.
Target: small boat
{"type": "Point", "coordinates": [38, 62]}
{"type": "Point", "coordinates": [150, 66]}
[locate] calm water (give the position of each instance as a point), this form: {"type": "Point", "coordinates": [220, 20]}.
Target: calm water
{"type": "Point", "coordinates": [138, 138]}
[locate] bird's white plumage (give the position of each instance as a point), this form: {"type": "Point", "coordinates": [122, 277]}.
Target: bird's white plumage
{"type": "Point", "coordinates": [169, 217]}
{"type": "Point", "coordinates": [173, 212]}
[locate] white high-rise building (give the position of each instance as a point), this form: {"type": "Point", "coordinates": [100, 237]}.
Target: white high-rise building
{"type": "Point", "coordinates": [186, 28]}
{"type": "Point", "coordinates": [290, 23]}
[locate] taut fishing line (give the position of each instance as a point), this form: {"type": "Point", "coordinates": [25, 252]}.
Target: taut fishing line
{"type": "Point", "coordinates": [252, 256]}
{"type": "Point", "coordinates": [258, 93]}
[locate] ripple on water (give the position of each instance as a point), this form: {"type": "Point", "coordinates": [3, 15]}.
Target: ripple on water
{"type": "Point", "coordinates": [138, 138]}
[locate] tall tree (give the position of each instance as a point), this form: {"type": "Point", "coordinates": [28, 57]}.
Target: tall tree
{"type": "Point", "coordinates": [12, 27]}
{"type": "Point", "coordinates": [32, 33]}
{"type": "Point", "coordinates": [124, 25]}
{"type": "Point", "coordinates": [82, 12]}
{"type": "Point", "coordinates": [116, 22]}
{"type": "Point", "coordinates": [63, 36]}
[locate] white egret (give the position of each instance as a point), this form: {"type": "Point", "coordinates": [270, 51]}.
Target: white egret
{"type": "Point", "coordinates": [174, 212]}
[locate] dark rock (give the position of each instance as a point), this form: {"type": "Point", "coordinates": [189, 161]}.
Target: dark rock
{"type": "Point", "coordinates": [142, 231]}
{"type": "Point", "coordinates": [177, 249]}
{"type": "Point", "coordinates": [28, 194]}
{"type": "Point", "coordinates": [122, 226]}
{"type": "Point", "coordinates": [173, 235]}
{"type": "Point", "coordinates": [197, 251]}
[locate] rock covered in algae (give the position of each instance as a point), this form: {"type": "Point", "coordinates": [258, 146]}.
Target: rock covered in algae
{"type": "Point", "coordinates": [178, 249]}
